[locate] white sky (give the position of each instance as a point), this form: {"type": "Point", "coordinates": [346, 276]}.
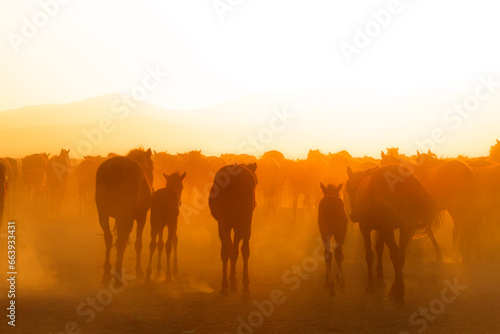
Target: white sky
{"type": "Point", "coordinates": [91, 47]}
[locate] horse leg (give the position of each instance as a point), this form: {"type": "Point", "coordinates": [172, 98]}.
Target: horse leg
{"type": "Point", "coordinates": [328, 262]}
{"type": "Point", "coordinates": [379, 248]}
{"type": "Point", "coordinates": [397, 289]}
{"type": "Point", "coordinates": [123, 227]}
{"type": "Point", "coordinates": [233, 257]}
{"type": "Point", "coordinates": [108, 240]}
{"type": "Point", "coordinates": [141, 221]}
{"type": "Point", "coordinates": [161, 246]}
{"type": "Point", "coordinates": [225, 238]}
{"type": "Point", "coordinates": [175, 242]}
{"type": "Point", "coordinates": [339, 257]}
{"type": "Point", "coordinates": [365, 232]}
{"type": "Point", "coordinates": [152, 248]}
{"type": "Point", "coordinates": [245, 253]}
{"type": "Point", "coordinates": [437, 249]}
{"type": "Point", "coordinates": [168, 250]}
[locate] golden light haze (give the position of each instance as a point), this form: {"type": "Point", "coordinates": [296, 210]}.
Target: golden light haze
{"type": "Point", "coordinates": [229, 74]}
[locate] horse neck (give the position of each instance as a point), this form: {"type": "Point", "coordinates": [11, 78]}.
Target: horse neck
{"type": "Point", "coordinates": [174, 189]}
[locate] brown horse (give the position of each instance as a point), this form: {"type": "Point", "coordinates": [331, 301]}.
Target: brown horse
{"type": "Point", "coordinates": [3, 190]}
{"type": "Point", "coordinates": [35, 175]}
{"type": "Point", "coordinates": [269, 181]}
{"type": "Point", "coordinates": [14, 176]}
{"type": "Point", "coordinates": [488, 179]}
{"type": "Point", "coordinates": [123, 191]}
{"type": "Point", "coordinates": [386, 199]}
{"type": "Point", "coordinates": [454, 187]}
{"type": "Point", "coordinates": [58, 171]}
{"type": "Point", "coordinates": [164, 212]}
{"type": "Point", "coordinates": [332, 221]}
{"type": "Point", "coordinates": [85, 176]}
{"type": "Point", "coordinates": [232, 202]}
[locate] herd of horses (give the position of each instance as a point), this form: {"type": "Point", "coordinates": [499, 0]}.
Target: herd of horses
{"type": "Point", "coordinates": [396, 192]}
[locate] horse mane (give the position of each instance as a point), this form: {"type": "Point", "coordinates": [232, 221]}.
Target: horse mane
{"type": "Point", "coordinates": [136, 152]}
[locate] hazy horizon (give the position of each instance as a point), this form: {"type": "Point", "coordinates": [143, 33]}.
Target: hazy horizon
{"type": "Point", "coordinates": [350, 87]}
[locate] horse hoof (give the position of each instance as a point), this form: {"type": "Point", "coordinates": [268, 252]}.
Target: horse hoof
{"type": "Point", "coordinates": [380, 284]}
{"type": "Point", "coordinates": [139, 273]}
{"type": "Point", "coordinates": [168, 278]}
{"type": "Point", "coordinates": [175, 271]}
{"type": "Point", "coordinates": [118, 284]}
{"type": "Point", "coordinates": [106, 279]}
{"type": "Point", "coordinates": [396, 298]}
{"type": "Point", "coordinates": [233, 289]}
{"type": "Point", "coordinates": [224, 292]}
{"type": "Point", "coordinates": [370, 289]}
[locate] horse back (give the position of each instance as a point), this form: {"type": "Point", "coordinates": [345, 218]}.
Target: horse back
{"type": "Point", "coordinates": [331, 215]}
{"type": "Point", "coordinates": [122, 188]}
{"type": "Point", "coordinates": [233, 193]}
{"type": "Point", "coordinates": [164, 204]}
{"type": "Point", "coordinates": [393, 197]}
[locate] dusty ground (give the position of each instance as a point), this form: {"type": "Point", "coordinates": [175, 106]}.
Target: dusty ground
{"type": "Point", "coordinates": [60, 267]}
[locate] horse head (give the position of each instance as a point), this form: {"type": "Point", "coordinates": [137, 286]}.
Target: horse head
{"type": "Point", "coordinates": [174, 182]}
{"type": "Point", "coordinates": [331, 190]}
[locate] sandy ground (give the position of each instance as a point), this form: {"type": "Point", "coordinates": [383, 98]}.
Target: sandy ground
{"type": "Point", "coordinates": [60, 267]}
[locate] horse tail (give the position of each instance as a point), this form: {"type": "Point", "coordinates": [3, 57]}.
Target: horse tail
{"type": "Point", "coordinates": [428, 214]}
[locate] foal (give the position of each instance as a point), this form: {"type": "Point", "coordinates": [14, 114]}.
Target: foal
{"type": "Point", "coordinates": [164, 212]}
{"type": "Point", "coordinates": [332, 222]}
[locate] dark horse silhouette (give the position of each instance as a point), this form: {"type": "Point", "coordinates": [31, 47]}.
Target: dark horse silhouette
{"type": "Point", "coordinates": [386, 199]}
{"type": "Point", "coordinates": [164, 212]}
{"type": "Point", "coordinates": [123, 191]}
{"type": "Point", "coordinates": [332, 222]}
{"type": "Point", "coordinates": [3, 190]}
{"type": "Point", "coordinates": [58, 171]}
{"type": "Point", "coordinates": [231, 202]}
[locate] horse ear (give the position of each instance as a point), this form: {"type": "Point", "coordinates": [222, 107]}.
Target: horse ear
{"type": "Point", "coordinates": [148, 152]}
{"type": "Point", "coordinates": [382, 154]}
{"type": "Point", "coordinates": [429, 152]}
{"type": "Point", "coordinates": [349, 171]}
{"type": "Point", "coordinates": [183, 175]}
{"type": "Point", "coordinates": [253, 167]}
{"type": "Point", "coordinates": [339, 188]}
{"type": "Point", "coordinates": [323, 188]}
